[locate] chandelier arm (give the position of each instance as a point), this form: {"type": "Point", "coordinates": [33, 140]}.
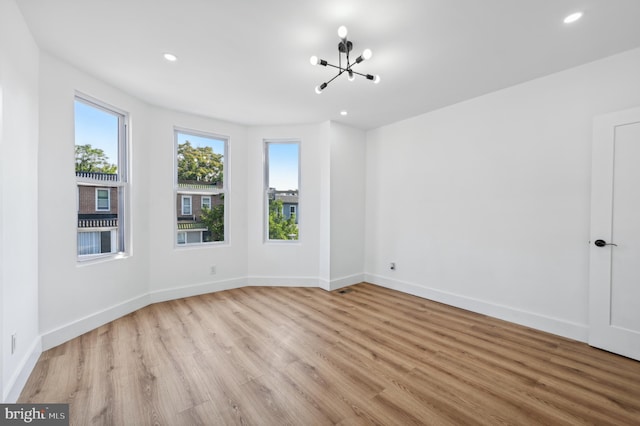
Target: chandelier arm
{"type": "Point", "coordinates": [356, 72]}
{"type": "Point", "coordinates": [334, 77]}
{"type": "Point", "coordinates": [336, 67]}
{"type": "Point", "coordinates": [350, 67]}
{"type": "Point", "coordinates": [342, 70]}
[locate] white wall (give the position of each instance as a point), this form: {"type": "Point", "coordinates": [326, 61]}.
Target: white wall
{"type": "Point", "coordinates": [305, 262]}
{"type": "Point", "coordinates": [348, 147]}
{"type": "Point", "coordinates": [485, 204]}
{"type": "Point", "coordinates": [175, 272]}
{"type": "Point", "coordinates": [330, 252]}
{"type": "Point", "coordinates": [81, 296]}
{"type": "Point", "coordinates": [76, 297]}
{"type": "Point", "coordinates": [18, 200]}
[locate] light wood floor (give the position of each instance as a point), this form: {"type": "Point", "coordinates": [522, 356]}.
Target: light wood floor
{"type": "Point", "coordinates": [275, 356]}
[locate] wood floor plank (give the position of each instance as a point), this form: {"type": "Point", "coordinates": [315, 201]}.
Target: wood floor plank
{"type": "Point", "coordinates": [318, 389]}
{"type": "Point", "coordinates": [458, 400]}
{"type": "Point", "coordinates": [224, 392]}
{"type": "Point", "coordinates": [262, 356]}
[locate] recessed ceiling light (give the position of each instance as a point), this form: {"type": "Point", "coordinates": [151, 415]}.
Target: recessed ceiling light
{"type": "Point", "coordinates": [573, 17]}
{"type": "Point", "coordinates": [343, 112]}
{"type": "Point", "coordinates": [170, 57]}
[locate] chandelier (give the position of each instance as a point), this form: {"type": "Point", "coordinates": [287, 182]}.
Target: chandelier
{"type": "Point", "coordinates": [344, 47]}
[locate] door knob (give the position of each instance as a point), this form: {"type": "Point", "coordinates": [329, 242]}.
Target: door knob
{"type": "Point", "coordinates": [602, 243]}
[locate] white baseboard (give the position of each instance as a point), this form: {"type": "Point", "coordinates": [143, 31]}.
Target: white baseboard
{"type": "Point", "coordinates": [19, 378]}
{"type": "Point", "coordinates": [57, 336]}
{"type": "Point", "coordinates": [196, 289]}
{"type": "Point", "coordinates": [548, 324]}
{"type": "Point", "coordinates": [322, 283]}
{"type": "Point", "coordinates": [76, 328]}
{"type": "Point", "coordinates": [264, 281]}
{"type": "Point", "coordinates": [337, 283]}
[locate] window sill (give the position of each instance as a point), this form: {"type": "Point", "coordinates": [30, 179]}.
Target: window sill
{"type": "Point", "coordinates": [201, 245]}
{"type": "Point", "coordinates": [282, 242]}
{"type": "Point", "coordinates": [100, 258]}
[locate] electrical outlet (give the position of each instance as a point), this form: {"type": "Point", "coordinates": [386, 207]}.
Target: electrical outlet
{"type": "Point", "coordinates": [212, 270]}
{"type": "Point", "coordinates": [14, 342]}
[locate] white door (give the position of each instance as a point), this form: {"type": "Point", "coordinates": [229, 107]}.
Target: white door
{"type": "Point", "coordinates": [614, 287]}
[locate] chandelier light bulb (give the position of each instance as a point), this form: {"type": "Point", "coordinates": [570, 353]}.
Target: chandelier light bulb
{"type": "Point", "coordinates": [342, 32]}
{"type": "Point", "coordinates": [367, 54]}
{"type": "Point", "coordinates": [573, 17]}
{"type": "Point", "coordinates": [170, 57]}
{"type": "Point", "coordinates": [351, 76]}
{"type": "Point", "coordinates": [376, 80]}
{"type": "Point", "coordinates": [320, 88]}
{"type": "Point", "coordinates": [314, 60]}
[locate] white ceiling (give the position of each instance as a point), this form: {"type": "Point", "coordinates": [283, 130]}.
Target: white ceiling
{"type": "Point", "coordinates": [247, 61]}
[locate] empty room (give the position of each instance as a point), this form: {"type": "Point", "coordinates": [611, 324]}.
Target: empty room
{"type": "Point", "coordinates": [339, 212]}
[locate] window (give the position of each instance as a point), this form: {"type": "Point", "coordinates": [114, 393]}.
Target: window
{"type": "Point", "coordinates": [182, 237]}
{"type": "Point", "coordinates": [282, 177]}
{"type": "Point", "coordinates": [101, 178]}
{"type": "Point", "coordinates": [206, 202]}
{"type": "Point", "coordinates": [186, 205]}
{"type": "Point", "coordinates": [96, 242]}
{"type": "Point", "coordinates": [103, 201]}
{"type": "Point", "coordinates": [200, 188]}
{"type": "Point", "coordinates": [192, 237]}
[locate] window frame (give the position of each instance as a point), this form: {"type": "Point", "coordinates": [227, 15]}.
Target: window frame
{"type": "Point", "coordinates": [108, 191]}
{"type": "Point", "coordinates": [123, 235]}
{"type": "Point", "coordinates": [101, 233]}
{"type": "Point", "coordinates": [224, 191]}
{"type": "Point", "coordinates": [202, 198]}
{"type": "Point", "coordinates": [182, 205]}
{"type": "Point", "coordinates": [184, 239]}
{"type": "Point", "coordinates": [265, 192]}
